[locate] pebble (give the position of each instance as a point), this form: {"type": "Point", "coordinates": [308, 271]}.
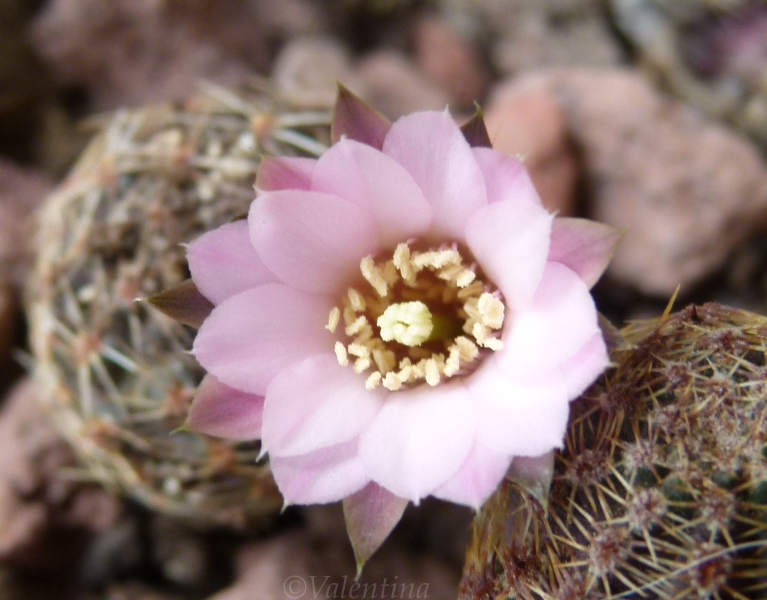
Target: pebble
{"type": "Point", "coordinates": [687, 190]}
{"type": "Point", "coordinates": [450, 60]}
{"type": "Point", "coordinates": [532, 125]}
{"type": "Point", "coordinates": [35, 499]}
{"type": "Point", "coordinates": [130, 52]}
{"type": "Point", "coordinates": [391, 83]}
{"type": "Point", "coordinates": [308, 69]}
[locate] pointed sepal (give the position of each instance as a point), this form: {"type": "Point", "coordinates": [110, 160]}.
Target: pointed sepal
{"type": "Point", "coordinates": [584, 246]}
{"type": "Point", "coordinates": [284, 173]}
{"type": "Point", "coordinates": [612, 335]}
{"type": "Point", "coordinates": [534, 475]}
{"type": "Point", "coordinates": [357, 120]}
{"type": "Point", "coordinates": [184, 303]}
{"type": "Point", "coordinates": [225, 412]}
{"type": "Point", "coordinates": [475, 131]}
{"type": "Point", "coordinates": [371, 514]}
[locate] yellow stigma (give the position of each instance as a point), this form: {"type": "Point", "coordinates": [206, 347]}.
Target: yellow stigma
{"type": "Point", "coordinates": [409, 323]}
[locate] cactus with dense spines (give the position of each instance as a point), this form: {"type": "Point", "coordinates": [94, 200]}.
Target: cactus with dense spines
{"type": "Point", "coordinates": [115, 373]}
{"type": "Point", "coordinates": [660, 490]}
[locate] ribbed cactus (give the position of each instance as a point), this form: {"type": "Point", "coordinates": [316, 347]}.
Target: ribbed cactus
{"type": "Point", "coordinates": [115, 373]}
{"type": "Point", "coordinates": [661, 488]}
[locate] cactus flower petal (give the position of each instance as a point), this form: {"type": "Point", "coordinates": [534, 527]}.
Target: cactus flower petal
{"type": "Point", "coordinates": [320, 477]}
{"type": "Point", "coordinates": [378, 185]}
{"type": "Point", "coordinates": [249, 338]}
{"type": "Point", "coordinates": [519, 417]}
{"type": "Point", "coordinates": [419, 439]}
{"type": "Point", "coordinates": [304, 236]}
{"type": "Point", "coordinates": [223, 262]}
{"type": "Point", "coordinates": [560, 322]}
{"type": "Point", "coordinates": [476, 479]}
{"type": "Point", "coordinates": [586, 247]}
{"type": "Point", "coordinates": [432, 148]}
{"type": "Point", "coordinates": [506, 178]}
{"type": "Point", "coordinates": [511, 242]}
{"type": "Point", "coordinates": [581, 369]}
{"type": "Point", "coordinates": [315, 404]}
{"type": "Point", "coordinates": [222, 411]}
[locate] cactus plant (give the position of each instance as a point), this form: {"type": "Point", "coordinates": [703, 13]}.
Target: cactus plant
{"type": "Point", "coordinates": [661, 488]}
{"type": "Point", "coordinates": [116, 374]}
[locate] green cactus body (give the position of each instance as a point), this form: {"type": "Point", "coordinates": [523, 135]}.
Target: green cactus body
{"type": "Point", "coordinates": [115, 373]}
{"type": "Point", "coordinates": [661, 488]}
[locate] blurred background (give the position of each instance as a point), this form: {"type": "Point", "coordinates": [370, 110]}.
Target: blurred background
{"type": "Point", "coordinates": [650, 115]}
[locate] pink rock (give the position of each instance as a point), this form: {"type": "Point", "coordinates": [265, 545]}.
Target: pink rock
{"type": "Point", "coordinates": [449, 60]}
{"type": "Point", "coordinates": [35, 498]}
{"type": "Point", "coordinates": [390, 82]}
{"type": "Point", "coordinates": [129, 52]}
{"type": "Point", "coordinates": [532, 124]}
{"type": "Point", "coordinates": [308, 69]}
{"type": "Point", "coordinates": [318, 564]}
{"type": "Point", "coordinates": [21, 192]}
{"type": "Point", "coordinates": [688, 191]}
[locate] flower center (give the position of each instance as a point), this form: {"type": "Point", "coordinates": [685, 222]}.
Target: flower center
{"type": "Point", "coordinates": [417, 316]}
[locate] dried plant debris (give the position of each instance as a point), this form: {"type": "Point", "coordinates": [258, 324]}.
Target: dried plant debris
{"type": "Point", "coordinates": [115, 373]}
{"type": "Point", "coordinates": [711, 52]}
{"type": "Point", "coordinates": [661, 489]}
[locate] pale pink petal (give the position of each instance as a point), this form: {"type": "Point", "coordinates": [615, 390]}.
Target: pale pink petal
{"type": "Point", "coordinates": [284, 173]}
{"type": "Point", "coordinates": [371, 514]}
{"type": "Point", "coordinates": [317, 403]}
{"type": "Point", "coordinates": [506, 178]}
{"type": "Point", "coordinates": [585, 366]}
{"type": "Point", "coordinates": [432, 148]}
{"type": "Point", "coordinates": [252, 336]}
{"type": "Point", "coordinates": [222, 411]}
{"type": "Point", "coordinates": [323, 476]}
{"type": "Point", "coordinates": [377, 184]}
{"type": "Point", "coordinates": [586, 247]}
{"type": "Point", "coordinates": [562, 319]}
{"type": "Point", "coordinates": [511, 241]}
{"type": "Point", "coordinates": [419, 439]}
{"type": "Point", "coordinates": [223, 262]}
{"type": "Point", "coordinates": [477, 478]}
{"type": "Point", "coordinates": [357, 120]}
{"type": "Point", "coordinates": [311, 241]}
{"type": "Point", "coordinates": [519, 417]}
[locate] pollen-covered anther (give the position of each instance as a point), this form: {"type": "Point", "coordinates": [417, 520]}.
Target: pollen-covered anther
{"type": "Point", "coordinates": [392, 381]}
{"type": "Point", "coordinates": [361, 365]}
{"type": "Point", "coordinates": [356, 300]}
{"type": "Point", "coordinates": [373, 380]}
{"type": "Point", "coordinates": [372, 274]}
{"type": "Point", "coordinates": [431, 371]}
{"type": "Point", "coordinates": [491, 310]}
{"type": "Point", "coordinates": [333, 318]}
{"type": "Point", "coordinates": [341, 354]}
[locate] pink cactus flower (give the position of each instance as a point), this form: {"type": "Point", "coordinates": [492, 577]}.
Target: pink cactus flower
{"type": "Point", "coordinates": [397, 319]}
